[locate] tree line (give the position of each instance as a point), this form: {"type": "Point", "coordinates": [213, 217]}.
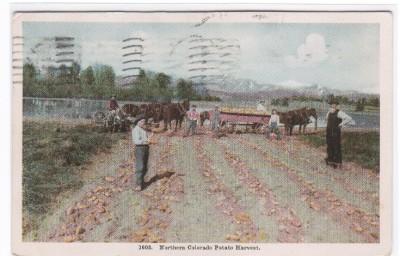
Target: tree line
{"type": "Point", "coordinates": [99, 82]}
{"type": "Point", "coordinates": [359, 104]}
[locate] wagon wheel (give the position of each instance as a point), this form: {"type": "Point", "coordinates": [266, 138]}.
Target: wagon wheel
{"type": "Point", "coordinates": [258, 128]}
{"type": "Point", "coordinates": [99, 117]}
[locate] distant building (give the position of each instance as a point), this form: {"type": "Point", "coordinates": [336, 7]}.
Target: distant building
{"type": "Point", "coordinates": [132, 58]}
{"type": "Point", "coordinates": [50, 53]}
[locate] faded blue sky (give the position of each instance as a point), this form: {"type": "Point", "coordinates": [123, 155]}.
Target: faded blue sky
{"type": "Point", "coordinates": [340, 56]}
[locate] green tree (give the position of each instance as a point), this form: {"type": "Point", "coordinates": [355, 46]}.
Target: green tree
{"type": "Point", "coordinates": [360, 105]}
{"type": "Point", "coordinates": [87, 76]}
{"type": "Point", "coordinates": [75, 71]}
{"type": "Point", "coordinates": [163, 80]}
{"type": "Point", "coordinates": [63, 75]}
{"type": "Point", "coordinates": [184, 89]}
{"type": "Point", "coordinates": [28, 79]}
{"type": "Point", "coordinates": [374, 101]}
{"type": "Point", "coordinates": [104, 76]}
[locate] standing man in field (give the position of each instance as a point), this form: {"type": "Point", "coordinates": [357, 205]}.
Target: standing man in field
{"type": "Point", "coordinates": [141, 139]}
{"type": "Point", "coordinates": [192, 116]}
{"type": "Point", "coordinates": [215, 120]}
{"type": "Point", "coordinates": [273, 125]}
{"type": "Point", "coordinates": [336, 119]}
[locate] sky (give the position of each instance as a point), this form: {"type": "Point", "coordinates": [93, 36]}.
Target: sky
{"type": "Point", "coordinates": [339, 56]}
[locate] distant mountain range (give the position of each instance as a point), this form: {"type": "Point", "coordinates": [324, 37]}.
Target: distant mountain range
{"type": "Point", "coordinates": [250, 89]}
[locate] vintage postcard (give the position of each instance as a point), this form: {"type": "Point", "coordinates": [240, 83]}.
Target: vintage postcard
{"type": "Point", "coordinates": [204, 132]}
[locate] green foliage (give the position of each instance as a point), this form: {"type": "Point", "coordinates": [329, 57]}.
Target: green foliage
{"type": "Point", "coordinates": [98, 82]}
{"type": "Point", "coordinates": [359, 147]}
{"type": "Point", "coordinates": [29, 78]}
{"type": "Point", "coordinates": [304, 98]}
{"type": "Point", "coordinates": [314, 140]}
{"type": "Point", "coordinates": [184, 89]}
{"type": "Point", "coordinates": [104, 76]}
{"type": "Point", "coordinates": [163, 80]}
{"type": "Point", "coordinates": [87, 76]}
{"type": "Point", "coordinates": [363, 148]}
{"type": "Point", "coordinates": [360, 105]}
{"type": "Point", "coordinates": [52, 154]}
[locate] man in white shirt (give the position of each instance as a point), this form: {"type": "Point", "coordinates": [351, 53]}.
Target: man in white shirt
{"type": "Point", "coordinates": [140, 139]}
{"type": "Point", "coordinates": [192, 117]}
{"type": "Point", "coordinates": [273, 125]}
{"type": "Point", "coordinates": [336, 119]}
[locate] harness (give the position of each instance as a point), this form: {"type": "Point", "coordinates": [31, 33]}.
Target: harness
{"type": "Point", "coordinates": [181, 109]}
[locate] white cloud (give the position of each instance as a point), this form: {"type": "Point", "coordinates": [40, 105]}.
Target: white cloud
{"type": "Point", "coordinates": [313, 51]}
{"type": "Point", "coordinates": [101, 52]}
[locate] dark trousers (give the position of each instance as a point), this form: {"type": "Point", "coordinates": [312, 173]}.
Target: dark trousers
{"type": "Point", "coordinates": [142, 157]}
{"type": "Point", "coordinates": [273, 128]}
{"type": "Point", "coordinates": [334, 149]}
{"type": "Point", "coordinates": [192, 127]}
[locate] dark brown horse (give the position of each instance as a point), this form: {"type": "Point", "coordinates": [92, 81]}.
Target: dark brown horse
{"type": "Point", "coordinates": [300, 117]}
{"type": "Point", "coordinates": [174, 111]}
{"type": "Point", "coordinates": [147, 111]}
{"type": "Point", "coordinates": [131, 110]}
{"type": "Point", "coordinates": [205, 115]}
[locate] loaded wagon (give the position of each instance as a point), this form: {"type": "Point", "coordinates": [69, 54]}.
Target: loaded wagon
{"type": "Point", "coordinates": [248, 118]}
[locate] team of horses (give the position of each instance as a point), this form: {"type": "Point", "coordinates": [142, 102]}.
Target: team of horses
{"type": "Point", "coordinates": [154, 112]}
{"type": "Point", "coordinates": [120, 119]}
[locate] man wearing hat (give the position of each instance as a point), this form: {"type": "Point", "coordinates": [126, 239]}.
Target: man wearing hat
{"type": "Point", "coordinates": [141, 139]}
{"type": "Point", "coordinates": [215, 119]}
{"type": "Point", "coordinates": [192, 116]}
{"type": "Point", "coordinates": [113, 104]}
{"type": "Point", "coordinates": [336, 119]}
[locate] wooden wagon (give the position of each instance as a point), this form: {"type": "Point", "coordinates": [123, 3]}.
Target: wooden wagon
{"type": "Point", "coordinates": [253, 120]}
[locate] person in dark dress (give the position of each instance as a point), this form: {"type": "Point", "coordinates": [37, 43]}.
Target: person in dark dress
{"type": "Point", "coordinates": [336, 119]}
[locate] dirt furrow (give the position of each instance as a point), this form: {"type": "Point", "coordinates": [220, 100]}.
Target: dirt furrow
{"type": "Point", "coordinates": [91, 210]}
{"type": "Point", "coordinates": [298, 152]}
{"type": "Point", "coordinates": [197, 218]}
{"type": "Point", "coordinates": [289, 225]}
{"type": "Point", "coordinates": [344, 213]}
{"type": "Point", "coordinates": [254, 206]}
{"type": "Point", "coordinates": [168, 187]}
{"type": "Point", "coordinates": [245, 229]}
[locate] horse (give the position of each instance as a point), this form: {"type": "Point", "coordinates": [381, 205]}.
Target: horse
{"type": "Point", "coordinates": [147, 111]}
{"type": "Point", "coordinates": [205, 115]}
{"type": "Point", "coordinates": [300, 117]}
{"type": "Point", "coordinates": [174, 111]}
{"type": "Point", "coordinates": [131, 110]}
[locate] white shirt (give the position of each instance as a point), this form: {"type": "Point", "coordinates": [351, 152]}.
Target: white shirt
{"type": "Point", "coordinates": [346, 119]}
{"type": "Point", "coordinates": [260, 107]}
{"type": "Point", "coordinates": [139, 136]}
{"type": "Point", "coordinates": [274, 119]}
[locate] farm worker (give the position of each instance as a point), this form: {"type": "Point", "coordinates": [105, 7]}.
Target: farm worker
{"type": "Point", "coordinates": [273, 125]}
{"type": "Point", "coordinates": [336, 119]}
{"type": "Point", "coordinates": [216, 118]}
{"type": "Point", "coordinates": [140, 139]}
{"type": "Point", "coordinates": [192, 116]}
{"type": "Point", "coordinates": [261, 107]}
{"type": "Point", "coordinates": [113, 104]}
